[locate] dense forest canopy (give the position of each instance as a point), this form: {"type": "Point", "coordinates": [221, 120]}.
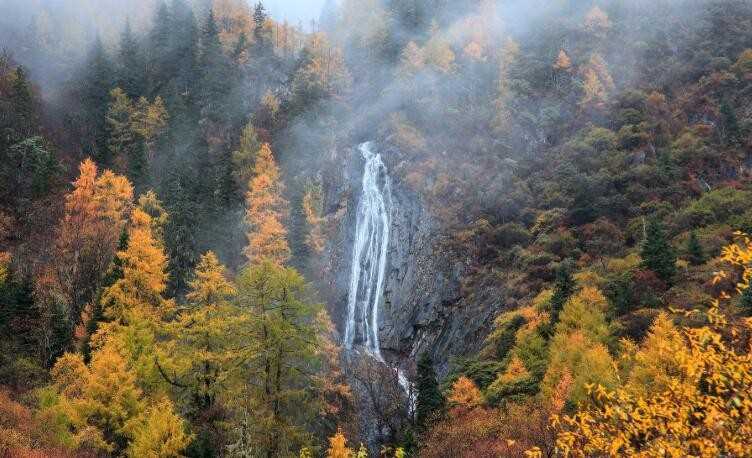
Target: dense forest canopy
{"type": "Point", "coordinates": [171, 190]}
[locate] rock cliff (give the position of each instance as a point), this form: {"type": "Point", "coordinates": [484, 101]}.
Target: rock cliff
{"type": "Point", "coordinates": [422, 308]}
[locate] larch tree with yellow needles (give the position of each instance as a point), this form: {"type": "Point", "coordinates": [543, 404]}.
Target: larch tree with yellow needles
{"type": "Point", "coordinates": [266, 210]}
{"type": "Point", "coordinates": [700, 400]}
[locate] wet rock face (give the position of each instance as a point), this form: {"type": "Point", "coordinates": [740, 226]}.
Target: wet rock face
{"type": "Point", "coordinates": [422, 309]}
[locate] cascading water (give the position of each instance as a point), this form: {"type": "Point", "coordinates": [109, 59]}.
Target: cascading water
{"type": "Point", "coordinates": [369, 255]}
{"type": "Point", "coordinates": [369, 258]}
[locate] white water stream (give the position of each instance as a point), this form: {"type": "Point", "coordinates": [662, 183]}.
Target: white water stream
{"type": "Point", "coordinates": [369, 254]}
{"type": "Point", "coordinates": [369, 259]}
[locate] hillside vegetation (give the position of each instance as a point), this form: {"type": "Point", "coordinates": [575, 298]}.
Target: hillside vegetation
{"type": "Point", "coordinates": [164, 199]}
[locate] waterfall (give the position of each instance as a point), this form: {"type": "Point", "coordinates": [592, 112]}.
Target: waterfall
{"type": "Point", "coordinates": [368, 271]}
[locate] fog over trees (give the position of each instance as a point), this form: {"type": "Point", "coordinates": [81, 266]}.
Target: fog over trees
{"type": "Point", "coordinates": [362, 228]}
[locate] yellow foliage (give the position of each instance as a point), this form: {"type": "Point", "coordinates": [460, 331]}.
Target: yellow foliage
{"type": "Point", "coordinates": [465, 394]}
{"type": "Point", "coordinates": [597, 22]}
{"type": "Point", "coordinates": [563, 62]}
{"type": "Point", "coordinates": [144, 266]}
{"type": "Point", "coordinates": [209, 284]}
{"type": "Point", "coordinates": [266, 209]}
{"type": "Point", "coordinates": [687, 393]}
{"type": "Point", "coordinates": [95, 214]}
{"type": "Point", "coordinates": [326, 72]}
{"type": "Point", "coordinates": [654, 364]}
{"type": "Point", "coordinates": [438, 52]}
{"type": "Point", "coordinates": [313, 210]}
{"type": "Point", "coordinates": [588, 278]}
{"type": "Point", "coordinates": [4, 267]}
{"type": "Point", "coordinates": [338, 447]}
{"type": "Point", "coordinates": [515, 371]}
{"type": "Point", "coordinates": [578, 346]}
{"type": "Point", "coordinates": [412, 61]}
{"type": "Point", "coordinates": [97, 401]}
{"type": "Point", "coordinates": [703, 409]}
{"type": "Point", "coordinates": [596, 82]}
{"type": "Point", "coordinates": [158, 433]}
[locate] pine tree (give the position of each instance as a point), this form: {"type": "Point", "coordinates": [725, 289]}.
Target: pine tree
{"type": "Point", "coordinates": [206, 350]}
{"type": "Point", "coordinates": [283, 345]}
{"type": "Point", "coordinates": [563, 290]}
{"type": "Point", "coordinates": [657, 253]}
{"type": "Point", "coordinates": [184, 54]}
{"type": "Point", "coordinates": [259, 22]}
{"type": "Point", "coordinates": [122, 142]}
{"type": "Point", "coordinates": [730, 122]}
{"type": "Point", "coordinates": [159, 50]}
{"type": "Point", "coordinates": [131, 70]}
{"type": "Point", "coordinates": [214, 68]}
{"type": "Point", "coordinates": [266, 211]}
{"type": "Point", "coordinates": [745, 301]}
{"type": "Point", "coordinates": [430, 401]}
{"type": "Point", "coordinates": [25, 120]}
{"type": "Point", "coordinates": [694, 252]}
{"type": "Point", "coordinates": [244, 158]}
{"type": "Point", "coordinates": [98, 82]}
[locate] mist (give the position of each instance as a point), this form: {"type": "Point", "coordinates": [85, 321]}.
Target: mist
{"type": "Point", "coordinates": [534, 166]}
{"type": "Point", "coordinates": [295, 11]}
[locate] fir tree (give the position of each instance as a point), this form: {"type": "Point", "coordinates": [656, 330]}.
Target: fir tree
{"type": "Point", "coordinates": [214, 70]}
{"type": "Point", "coordinates": [25, 121]}
{"type": "Point", "coordinates": [694, 252]}
{"type": "Point", "coordinates": [430, 401]}
{"type": "Point", "coordinates": [130, 66]}
{"type": "Point", "coordinates": [259, 21]}
{"type": "Point", "coordinates": [745, 301]}
{"type": "Point", "coordinates": [97, 84]}
{"type": "Point", "coordinates": [657, 253]}
{"type": "Point", "coordinates": [730, 122]}
{"type": "Point", "coordinates": [159, 50]}
{"type": "Point", "coordinates": [563, 289]}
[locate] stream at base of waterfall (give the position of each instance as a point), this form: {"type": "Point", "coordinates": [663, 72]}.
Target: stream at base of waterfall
{"type": "Point", "coordinates": [369, 262]}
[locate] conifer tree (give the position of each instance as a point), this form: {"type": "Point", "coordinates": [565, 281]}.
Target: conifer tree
{"type": "Point", "coordinates": [131, 70]}
{"type": "Point", "coordinates": [98, 82]}
{"type": "Point", "coordinates": [657, 253]}
{"type": "Point", "coordinates": [95, 214]}
{"type": "Point", "coordinates": [139, 293]}
{"type": "Point", "coordinates": [214, 68]}
{"type": "Point", "coordinates": [730, 122]}
{"type": "Point", "coordinates": [259, 22]}
{"type": "Point", "coordinates": [244, 158]}
{"type": "Point", "coordinates": [430, 401]}
{"type": "Point", "coordinates": [24, 117]}
{"type": "Point", "coordinates": [159, 46]}
{"type": "Point", "coordinates": [184, 50]}
{"type": "Point", "coordinates": [745, 301]}
{"type": "Point", "coordinates": [694, 252]}
{"type": "Point", "coordinates": [563, 289]}
{"type": "Point", "coordinates": [266, 211]}
{"type": "Point", "coordinates": [338, 447]}
{"type": "Point", "coordinates": [283, 343]}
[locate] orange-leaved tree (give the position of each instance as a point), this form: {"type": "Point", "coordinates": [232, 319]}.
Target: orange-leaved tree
{"type": "Point", "coordinates": [266, 210]}
{"type": "Point", "coordinates": [95, 213]}
{"type": "Point", "coordinates": [698, 402]}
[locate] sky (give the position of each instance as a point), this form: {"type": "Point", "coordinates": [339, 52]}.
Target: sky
{"type": "Point", "coordinates": [294, 10]}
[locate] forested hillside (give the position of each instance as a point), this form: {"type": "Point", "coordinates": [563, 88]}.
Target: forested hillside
{"type": "Point", "coordinates": [566, 184]}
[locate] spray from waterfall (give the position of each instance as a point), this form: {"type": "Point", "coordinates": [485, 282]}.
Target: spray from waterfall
{"type": "Point", "coordinates": [369, 255]}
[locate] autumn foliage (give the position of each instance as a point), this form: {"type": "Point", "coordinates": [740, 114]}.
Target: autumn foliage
{"type": "Point", "coordinates": [266, 211]}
